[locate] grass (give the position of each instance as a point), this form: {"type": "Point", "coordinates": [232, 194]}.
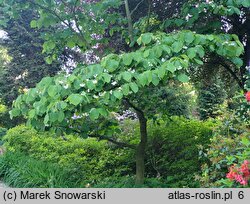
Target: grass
{"type": "Point", "coordinates": [21, 171]}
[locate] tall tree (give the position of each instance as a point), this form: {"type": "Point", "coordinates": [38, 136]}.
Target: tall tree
{"type": "Point", "coordinates": [27, 65]}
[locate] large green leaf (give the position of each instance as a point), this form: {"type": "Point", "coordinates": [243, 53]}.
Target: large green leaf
{"type": "Point", "coordinates": [183, 78]}
{"type": "Point", "coordinates": [75, 99]}
{"type": "Point", "coordinates": [127, 59]}
{"type": "Point", "coordinates": [118, 94]}
{"type": "Point", "coordinates": [134, 87]}
{"type": "Point", "coordinates": [94, 114]}
{"type": "Point", "coordinates": [189, 37]}
{"type": "Point", "coordinates": [177, 46]}
{"type": "Point", "coordinates": [127, 76]}
{"type": "Point", "coordinates": [125, 89]}
{"type": "Point", "coordinates": [52, 90]}
{"type": "Point", "coordinates": [146, 38]}
{"type": "Point", "coordinates": [191, 53]}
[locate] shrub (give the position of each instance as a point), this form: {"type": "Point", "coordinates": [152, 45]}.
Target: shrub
{"type": "Point", "coordinates": [229, 147]}
{"type": "Point", "coordinates": [173, 148]}
{"type": "Point", "coordinates": [88, 160]}
{"type": "Point", "coordinates": [129, 182]}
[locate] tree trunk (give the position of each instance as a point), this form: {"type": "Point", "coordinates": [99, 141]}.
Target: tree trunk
{"type": "Point", "coordinates": [140, 152]}
{"type": "Point", "coordinates": [129, 18]}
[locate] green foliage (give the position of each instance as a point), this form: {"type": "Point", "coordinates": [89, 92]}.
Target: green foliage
{"type": "Point", "coordinates": [2, 133]}
{"type": "Point", "coordinates": [128, 182]}
{"type": "Point", "coordinates": [24, 63]}
{"type": "Point", "coordinates": [229, 145]}
{"type": "Point", "coordinates": [173, 149]}
{"type": "Point", "coordinates": [21, 171]}
{"type": "Point", "coordinates": [210, 100]}
{"type": "Point", "coordinates": [107, 96]}
{"type": "Point", "coordinates": [88, 160]}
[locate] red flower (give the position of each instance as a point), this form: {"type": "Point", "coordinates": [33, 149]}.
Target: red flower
{"type": "Point", "coordinates": [241, 175]}
{"type": "Point", "coordinates": [248, 96]}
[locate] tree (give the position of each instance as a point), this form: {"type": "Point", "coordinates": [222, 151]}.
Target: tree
{"type": "Point", "coordinates": [215, 17]}
{"type": "Point", "coordinates": [83, 101]}
{"type": "Point", "coordinates": [27, 65]}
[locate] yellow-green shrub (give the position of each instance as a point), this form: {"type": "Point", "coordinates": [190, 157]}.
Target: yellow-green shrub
{"type": "Point", "coordinates": [88, 159]}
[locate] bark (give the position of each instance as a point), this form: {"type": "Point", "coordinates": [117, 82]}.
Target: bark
{"type": "Point", "coordinates": [129, 18]}
{"type": "Point", "coordinates": [141, 150]}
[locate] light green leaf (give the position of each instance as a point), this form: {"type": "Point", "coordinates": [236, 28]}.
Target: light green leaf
{"type": "Point", "coordinates": [127, 76]}
{"type": "Point", "coordinates": [32, 113]}
{"type": "Point", "coordinates": [46, 119]}
{"type": "Point", "coordinates": [107, 77]}
{"type": "Point", "coordinates": [148, 74]}
{"type": "Point", "coordinates": [112, 65]}
{"type": "Point", "coordinates": [158, 51]}
{"type": "Point", "coordinates": [245, 141]}
{"type": "Point", "coordinates": [146, 53]}
{"type": "Point", "coordinates": [94, 114]}
{"type": "Point", "coordinates": [52, 90]}
{"type": "Point", "coordinates": [60, 116]}
{"type": "Point", "coordinates": [62, 105]}
{"type": "Point", "coordinates": [75, 99]}
{"type": "Point", "coordinates": [146, 38]}
{"type": "Point", "coordinates": [125, 89]}
{"type": "Point", "coordinates": [33, 24]}
{"type": "Point", "coordinates": [118, 94]}
{"type": "Point", "coordinates": [191, 53]}
{"type": "Point", "coordinates": [198, 61]}
{"type": "Point", "coordinates": [14, 112]}
{"type": "Point", "coordinates": [155, 80]}
{"type": "Point", "coordinates": [161, 72]}
{"type": "Point", "coordinates": [170, 67]}
{"type": "Point", "coordinates": [90, 84]}
{"type": "Point", "coordinates": [183, 78]}
{"type": "Point", "coordinates": [142, 78]}
{"type": "Point", "coordinates": [134, 87]}
{"type": "Point", "coordinates": [103, 112]}
{"type": "Point", "coordinates": [127, 59]}
{"type": "Point", "coordinates": [177, 46]}
{"type": "Point", "coordinates": [189, 37]}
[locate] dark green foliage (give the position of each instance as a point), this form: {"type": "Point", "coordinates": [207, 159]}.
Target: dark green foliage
{"type": "Point", "coordinates": [27, 66]}
{"type": "Point", "coordinates": [173, 152]}
{"type": "Point", "coordinates": [21, 171]}
{"type": "Point", "coordinates": [173, 149]}
{"type": "Point", "coordinates": [210, 99]}
{"type": "Point", "coordinates": [128, 182]}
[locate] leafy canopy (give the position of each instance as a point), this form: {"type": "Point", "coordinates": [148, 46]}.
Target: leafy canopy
{"type": "Point", "coordinates": [92, 92]}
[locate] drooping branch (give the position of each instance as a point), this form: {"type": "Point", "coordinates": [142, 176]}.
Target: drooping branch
{"type": "Point", "coordinates": [110, 139]}
{"type": "Point", "coordinates": [233, 74]}
{"type": "Point", "coordinates": [118, 143]}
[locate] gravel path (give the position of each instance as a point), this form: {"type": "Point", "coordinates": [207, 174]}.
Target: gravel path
{"type": "Point", "coordinates": [2, 185]}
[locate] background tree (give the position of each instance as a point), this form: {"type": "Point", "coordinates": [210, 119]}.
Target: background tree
{"type": "Point", "coordinates": [27, 65]}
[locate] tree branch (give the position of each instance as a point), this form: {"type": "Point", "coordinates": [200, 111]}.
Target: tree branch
{"type": "Point", "coordinates": [136, 7]}
{"type": "Point", "coordinates": [118, 143]}
{"type": "Point", "coordinates": [227, 67]}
